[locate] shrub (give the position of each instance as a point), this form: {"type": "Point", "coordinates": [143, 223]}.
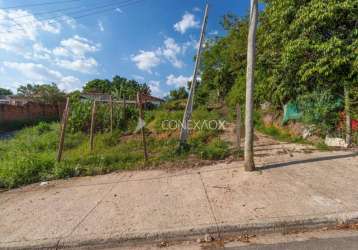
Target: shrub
{"type": "Point", "coordinates": [215, 150]}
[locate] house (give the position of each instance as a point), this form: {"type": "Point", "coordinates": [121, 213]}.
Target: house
{"type": "Point", "coordinates": [152, 99]}
{"type": "Point", "coordinates": [19, 100]}
{"type": "Point", "coordinates": [4, 99]}
{"type": "Point", "coordinates": [96, 96]}
{"type": "Point", "coordinates": [106, 98]}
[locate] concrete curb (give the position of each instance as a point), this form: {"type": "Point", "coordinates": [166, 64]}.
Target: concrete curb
{"type": "Point", "coordinates": [114, 239]}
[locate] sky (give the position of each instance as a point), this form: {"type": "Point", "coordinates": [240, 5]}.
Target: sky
{"type": "Point", "coordinates": [70, 42]}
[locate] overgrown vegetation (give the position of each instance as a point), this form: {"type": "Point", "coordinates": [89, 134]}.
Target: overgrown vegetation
{"type": "Point", "coordinates": [30, 156]}
{"type": "Point", "coordinates": [306, 53]}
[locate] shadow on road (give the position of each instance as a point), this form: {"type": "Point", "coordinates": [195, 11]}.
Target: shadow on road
{"type": "Point", "coordinates": [324, 158]}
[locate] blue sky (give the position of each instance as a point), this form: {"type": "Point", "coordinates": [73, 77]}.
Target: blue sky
{"type": "Point", "coordinates": [152, 41]}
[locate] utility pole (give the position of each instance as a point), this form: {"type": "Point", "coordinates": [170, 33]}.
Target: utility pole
{"type": "Point", "coordinates": [63, 130]}
{"type": "Point", "coordinates": [184, 132]}
{"type": "Point", "coordinates": [249, 107]}
{"type": "Point", "coordinates": [347, 110]}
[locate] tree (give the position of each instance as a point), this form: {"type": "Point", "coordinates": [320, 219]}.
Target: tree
{"type": "Point", "coordinates": [310, 46]}
{"type": "Point", "coordinates": [178, 94]}
{"type": "Point", "coordinates": [46, 93]}
{"type": "Point", "coordinates": [249, 107]}
{"type": "Point", "coordinates": [98, 86]}
{"type": "Point", "coordinates": [5, 92]}
{"type": "Point", "coordinates": [119, 87]}
{"type": "Point", "coordinates": [27, 90]}
{"type": "Point", "coordinates": [224, 62]}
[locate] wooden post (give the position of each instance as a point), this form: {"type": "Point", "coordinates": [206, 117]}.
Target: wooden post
{"type": "Point", "coordinates": [141, 117]}
{"type": "Point", "coordinates": [124, 108]}
{"type": "Point", "coordinates": [63, 130]}
{"type": "Point", "coordinates": [93, 118]}
{"type": "Point", "coordinates": [238, 126]}
{"type": "Point", "coordinates": [111, 112]}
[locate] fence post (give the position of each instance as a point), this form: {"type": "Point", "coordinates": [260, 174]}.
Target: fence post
{"type": "Point", "coordinates": [111, 112]}
{"type": "Point", "coordinates": [63, 130]}
{"type": "Point", "coordinates": [93, 118]}
{"type": "Point", "coordinates": [124, 117]}
{"type": "Point", "coordinates": [141, 117]}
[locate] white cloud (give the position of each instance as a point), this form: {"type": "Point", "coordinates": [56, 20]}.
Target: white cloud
{"type": "Point", "coordinates": [39, 52]}
{"type": "Point", "coordinates": [138, 77]}
{"type": "Point", "coordinates": [69, 21]}
{"type": "Point", "coordinates": [146, 60]}
{"type": "Point", "coordinates": [76, 46]}
{"type": "Point", "coordinates": [21, 29]}
{"type": "Point", "coordinates": [83, 65]}
{"type": "Point", "coordinates": [119, 10]}
{"type": "Point", "coordinates": [179, 81]}
{"type": "Point", "coordinates": [155, 88]}
{"type": "Point", "coordinates": [196, 9]}
{"type": "Point", "coordinates": [214, 33]}
{"type": "Point", "coordinates": [100, 26]}
{"type": "Point", "coordinates": [72, 54]}
{"type": "Point", "coordinates": [188, 21]}
{"type": "Point", "coordinates": [170, 51]}
{"type": "Point", "coordinates": [42, 74]}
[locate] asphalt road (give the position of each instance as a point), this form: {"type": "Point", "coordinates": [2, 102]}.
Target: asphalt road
{"type": "Point", "coordinates": [346, 243]}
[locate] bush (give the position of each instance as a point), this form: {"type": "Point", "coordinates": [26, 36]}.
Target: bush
{"type": "Point", "coordinates": [321, 108]}
{"type": "Point", "coordinates": [25, 169]}
{"type": "Point", "coordinates": [215, 150]}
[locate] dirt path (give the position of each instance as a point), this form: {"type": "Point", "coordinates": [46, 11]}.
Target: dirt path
{"type": "Point", "coordinates": [266, 146]}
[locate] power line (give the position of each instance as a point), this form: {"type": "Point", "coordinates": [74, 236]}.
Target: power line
{"type": "Point", "coordinates": [38, 4]}
{"type": "Point", "coordinates": [61, 15]}
{"type": "Point", "coordinates": [52, 11]}
{"type": "Point", "coordinates": [90, 13]}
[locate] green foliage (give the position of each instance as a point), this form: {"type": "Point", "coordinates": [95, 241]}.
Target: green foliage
{"type": "Point", "coordinates": [97, 86]}
{"type": "Point", "coordinates": [46, 93]}
{"type": "Point", "coordinates": [321, 109]}
{"type": "Point", "coordinates": [119, 87]}
{"type": "Point", "coordinates": [30, 156]}
{"type": "Point", "coordinates": [224, 59]}
{"type": "Point", "coordinates": [177, 94]}
{"type": "Point", "coordinates": [215, 149]}
{"type": "Point", "coordinates": [81, 112]}
{"type": "Point", "coordinates": [4, 92]}
{"type": "Point", "coordinates": [174, 105]}
{"type": "Point", "coordinates": [307, 46]}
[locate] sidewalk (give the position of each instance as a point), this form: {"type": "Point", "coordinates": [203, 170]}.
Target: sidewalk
{"type": "Point", "coordinates": [289, 190]}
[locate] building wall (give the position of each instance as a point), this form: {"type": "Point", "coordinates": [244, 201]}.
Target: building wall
{"type": "Point", "coordinates": [30, 112]}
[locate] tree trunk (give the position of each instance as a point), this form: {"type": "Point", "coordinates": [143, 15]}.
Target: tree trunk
{"type": "Point", "coordinates": [347, 109]}
{"type": "Point", "coordinates": [249, 107]}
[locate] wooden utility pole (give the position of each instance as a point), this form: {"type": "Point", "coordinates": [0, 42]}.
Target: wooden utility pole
{"type": "Point", "coordinates": [63, 130]}
{"type": "Point", "coordinates": [249, 107]}
{"type": "Point", "coordinates": [93, 119]}
{"type": "Point", "coordinates": [141, 117]}
{"type": "Point", "coordinates": [238, 126]}
{"type": "Point", "coordinates": [184, 132]}
{"type": "Point", "coordinates": [111, 112]}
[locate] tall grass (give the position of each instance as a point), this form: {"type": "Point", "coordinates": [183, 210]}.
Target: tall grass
{"type": "Point", "coordinates": [30, 156]}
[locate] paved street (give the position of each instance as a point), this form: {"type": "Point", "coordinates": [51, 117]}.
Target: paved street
{"type": "Point", "coordinates": [346, 243]}
{"type": "Point", "coordinates": [313, 240]}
